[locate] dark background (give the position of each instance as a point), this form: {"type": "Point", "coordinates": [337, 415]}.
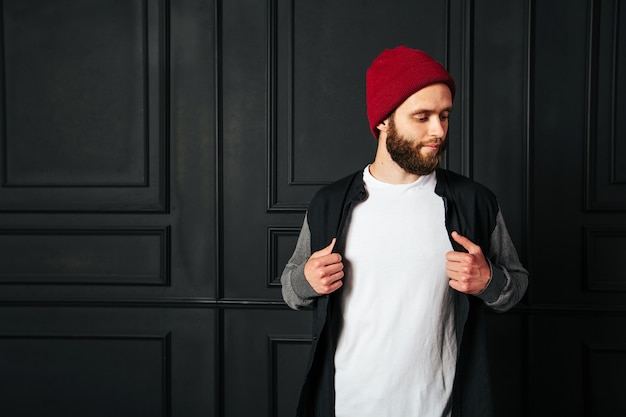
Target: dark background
{"type": "Point", "coordinates": [157, 156]}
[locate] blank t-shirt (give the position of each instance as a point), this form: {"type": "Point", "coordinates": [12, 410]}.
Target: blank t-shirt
{"type": "Point", "coordinates": [396, 354]}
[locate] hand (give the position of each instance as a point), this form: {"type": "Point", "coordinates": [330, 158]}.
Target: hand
{"type": "Point", "coordinates": [468, 272]}
{"type": "Point", "coordinates": [324, 270]}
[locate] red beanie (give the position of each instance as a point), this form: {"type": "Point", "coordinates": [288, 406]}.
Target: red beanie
{"type": "Point", "coordinates": [394, 76]}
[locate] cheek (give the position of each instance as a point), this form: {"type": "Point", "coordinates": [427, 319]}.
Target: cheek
{"type": "Point", "coordinates": [416, 132]}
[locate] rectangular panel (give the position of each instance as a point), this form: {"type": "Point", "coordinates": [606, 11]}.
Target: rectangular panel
{"type": "Point", "coordinates": [606, 135]}
{"type": "Point", "coordinates": [566, 377]}
{"type": "Point", "coordinates": [605, 251]}
{"type": "Point", "coordinates": [293, 95]}
{"type": "Point", "coordinates": [507, 342]}
{"type": "Point", "coordinates": [618, 151]}
{"type": "Point", "coordinates": [317, 114]}
{"type": "Point", "coordinates": [498, 146]}
{"type": "Point", "coordinates": [83, 106]}
{"type": "Point", "coordinates": [89, 376]}
{"type": "Point", "coordinates": [110, 257]}
{"type": "Point", "coordinates": [605, 380]}
{"type": "Point", "coordinates": [75, 93]}
{"type": "Point", "coordinates": [265, 379]}
{"type": "Point", "coordinates": [111, 361]}
{"type": "Point", "coordinates": [286, 367]}
{"type": "Point", "coordinates": [281, 242]}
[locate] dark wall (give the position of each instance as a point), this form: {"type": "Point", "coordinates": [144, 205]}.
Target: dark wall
{"type": "Point", "coordinates": [157, 158]}
{"type": "Point", "coordinates": [577, 349]}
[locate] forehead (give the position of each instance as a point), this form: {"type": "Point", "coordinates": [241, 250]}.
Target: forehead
{"type": "Point", "coordinates": [433, 98]}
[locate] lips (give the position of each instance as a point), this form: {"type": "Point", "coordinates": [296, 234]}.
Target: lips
{"type": "Point", "coordinates": [432, 146]}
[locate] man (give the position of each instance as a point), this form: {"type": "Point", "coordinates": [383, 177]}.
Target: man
{"type": "Point", "coordinates": [397, 262]}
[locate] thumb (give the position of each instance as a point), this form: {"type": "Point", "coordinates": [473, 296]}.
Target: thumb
{"type": "Point", "coordinates": [327, 250]}
{"type": "Point", "coordinates": [465, 242]}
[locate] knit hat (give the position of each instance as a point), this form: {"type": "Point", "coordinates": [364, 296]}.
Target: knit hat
{"type": "Point", "coordinates": [394, 76]}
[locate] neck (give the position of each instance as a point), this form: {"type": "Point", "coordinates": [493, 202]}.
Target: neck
{"type": "Point", "coordinates": [391, 173]}
{"type": "Point", "coordinates": [387, 170]}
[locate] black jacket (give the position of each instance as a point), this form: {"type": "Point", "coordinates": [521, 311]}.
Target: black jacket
{"type": "Point", "coordinates": [471, 210]}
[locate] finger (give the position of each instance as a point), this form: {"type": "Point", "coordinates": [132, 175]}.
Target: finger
{"type": "Point", "coordinates": [459, 286]}
{"type": "Point", "coordinates": [453, 268]}
{"type": "Point", "coordinates": [331, 270]}
{"type": "Point", "coordinates": [330, 288]}
{"type": "Point", "coordinates": [454, 256]}
{"type": "Point", "coordinates": [330, 282]}
{"type": "Point", "coordinates": [470, 246]}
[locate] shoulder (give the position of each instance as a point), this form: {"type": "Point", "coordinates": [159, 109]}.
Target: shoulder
{"type": "Point", "coordinates": [471, 208]}
{"type": "Point", "coordinates": [328, 207]}
{"type": "Point", "coordinates": [451, 184]}
{"type": "Point", "coordinates": [338, 190]}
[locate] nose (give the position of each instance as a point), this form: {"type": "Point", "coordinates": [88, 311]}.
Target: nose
{"type": "Point", "coordinates": [436, 128]}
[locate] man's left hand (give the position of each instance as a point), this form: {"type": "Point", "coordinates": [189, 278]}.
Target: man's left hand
{"type": "Point", "coordinates": [468, 272]}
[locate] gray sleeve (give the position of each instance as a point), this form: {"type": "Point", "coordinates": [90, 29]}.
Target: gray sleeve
{"type": "Point", "coordinates": [509, 279]}
{"type": "Point", "coordinates": [297, 292]}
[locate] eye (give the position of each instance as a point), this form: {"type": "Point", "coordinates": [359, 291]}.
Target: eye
{"type": "Point", "coordinates": [422, 117]}
{"type": "Point", "coordinates": [444, 117]}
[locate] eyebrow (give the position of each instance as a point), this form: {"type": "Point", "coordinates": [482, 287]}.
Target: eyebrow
{"type": "Point", "coordinates": [420, 111]}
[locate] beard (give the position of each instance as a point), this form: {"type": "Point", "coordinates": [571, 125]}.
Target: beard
{"type": "Point", "coordinates": [407, 154]}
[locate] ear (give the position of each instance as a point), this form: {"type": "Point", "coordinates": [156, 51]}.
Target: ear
{"type": "Point", "coordinates": [383, 126]}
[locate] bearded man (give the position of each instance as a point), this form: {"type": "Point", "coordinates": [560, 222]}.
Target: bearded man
{"type": "Point", "coordinates": [397, 262]}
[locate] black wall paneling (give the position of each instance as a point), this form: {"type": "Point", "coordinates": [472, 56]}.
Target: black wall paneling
{"type": "Point", "coordinates": [103, 361]}
{"type": "Point", "coordinates": [83, 102]}
{"type": "Point", "coordinates": [112, 257]}
{"type": "Point", "coordinates": [606, 128]}
{"type": "Point", "coordinates": [108, 224]}
{"type": "Point", "coordinates": [157, 159]}
{"type": "Point", "coordinates": [577, 295]}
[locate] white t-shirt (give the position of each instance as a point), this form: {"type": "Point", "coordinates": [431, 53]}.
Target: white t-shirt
{"type": "Point", "coordinates": [396, 355]}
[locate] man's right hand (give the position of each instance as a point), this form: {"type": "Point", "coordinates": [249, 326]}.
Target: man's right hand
{"type": "Point", "coordinates": [324, 270]}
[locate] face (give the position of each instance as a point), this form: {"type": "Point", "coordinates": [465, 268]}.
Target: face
{"type": "Point", "coordinates": [416, 132]}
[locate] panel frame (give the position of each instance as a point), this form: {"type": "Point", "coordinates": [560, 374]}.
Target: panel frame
{"type": "Point", "coordinates": [148, 196]}
{"type": "Point", "coordinates": [603, 191]}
